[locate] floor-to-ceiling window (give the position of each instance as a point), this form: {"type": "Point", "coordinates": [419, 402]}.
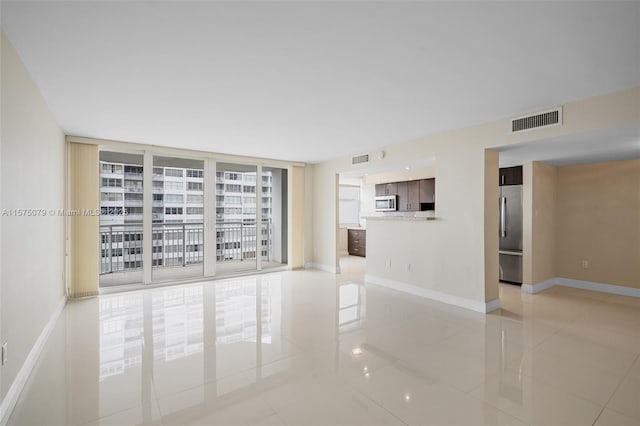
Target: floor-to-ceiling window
{"type": "Point", "coordinates": [236, 212]}
{"type": "Point", "coordinates": [121, 207]}
{"type": "Point", "coordinates": [178, 218]}
{"type": "Point", "coordinates": [155, 210]}
{"type": "Point", "coordinates": [251, 218]}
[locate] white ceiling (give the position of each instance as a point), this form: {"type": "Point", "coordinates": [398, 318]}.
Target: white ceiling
{"type": "Point", "coordinates": [313, 81]}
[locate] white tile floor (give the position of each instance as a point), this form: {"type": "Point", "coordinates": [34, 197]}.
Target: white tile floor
{"type": "Point", "coordinates": [308, 347]}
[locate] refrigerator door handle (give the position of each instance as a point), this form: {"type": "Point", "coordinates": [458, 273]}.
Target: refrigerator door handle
{"type": "Point", "coordinates": [503, 217]}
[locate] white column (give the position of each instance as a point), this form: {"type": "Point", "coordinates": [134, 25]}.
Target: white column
{"type": "Point", "coordinates": [209, 217]}
{"type": "Point", "coordinates": [276, 216]}
{"type": "Point", "coordinates": [259, 218]}
{"type": "Point", "coordinates": [147, 217]}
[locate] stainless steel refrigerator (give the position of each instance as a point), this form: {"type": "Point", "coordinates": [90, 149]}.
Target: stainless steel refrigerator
{"type": "Point", "coordinates": [510, 231]}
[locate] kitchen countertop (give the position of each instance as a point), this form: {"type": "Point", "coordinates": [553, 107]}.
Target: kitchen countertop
{"type": "Point", "coordinates": [415, 216]}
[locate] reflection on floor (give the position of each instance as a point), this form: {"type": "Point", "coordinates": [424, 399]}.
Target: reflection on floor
{"type": "Point", "coordinates": [308, 347]}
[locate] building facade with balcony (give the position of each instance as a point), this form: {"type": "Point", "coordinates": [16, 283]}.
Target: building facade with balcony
{"type": "Point", "coordinates": [178, 216]}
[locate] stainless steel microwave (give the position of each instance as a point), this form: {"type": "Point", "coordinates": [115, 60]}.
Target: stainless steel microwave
{"type": "Point", "coordinates": [386, 203]}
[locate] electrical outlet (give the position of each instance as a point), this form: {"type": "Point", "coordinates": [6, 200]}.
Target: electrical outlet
{"type": "Point", "coordinates": [4, 353]}
{"type": "Point", "coordinates": [388, 263]}
{"type": "Point", "coordinates": [585, 264]}
{"type": "Point", "coordinates": [408, 267]}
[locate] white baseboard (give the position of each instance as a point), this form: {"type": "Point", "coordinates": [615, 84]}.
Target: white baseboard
{"type": "Point", "coordinates": [462, 302]}
{"type": "Point", "coordinates": [492, 305]}
{"type": "Point", "coordinates": [600, 287]}
{"type": "Point", "coordinates": [538, 287]}
{"type": "Point", "coordinates": [322, 267]}
{"type": "Point", "coordinates": [11, 398]}
{"type": "Point", "coordinates": [583, 285]}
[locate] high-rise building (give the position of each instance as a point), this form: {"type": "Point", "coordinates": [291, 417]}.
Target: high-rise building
{"type": "Point", "coordinates": [178, 215]}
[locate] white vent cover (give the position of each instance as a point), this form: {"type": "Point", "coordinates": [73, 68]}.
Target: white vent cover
{"type": "Point", "coordinates": [359, 159]}
{"type": "Point", "coordinates": [535, 121]}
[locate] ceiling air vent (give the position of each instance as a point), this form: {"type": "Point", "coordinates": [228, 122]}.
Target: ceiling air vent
{"type": "Point", "coordinates": [359, 159]}
{"type": "Point", "coordinates": [537, 120]}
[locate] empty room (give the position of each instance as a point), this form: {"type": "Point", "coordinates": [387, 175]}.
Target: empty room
{"type": "Point", "coordinates": [319, 212]}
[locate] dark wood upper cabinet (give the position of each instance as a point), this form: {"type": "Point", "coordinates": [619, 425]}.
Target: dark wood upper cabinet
{"type": "Point", "coordinates": [413, 195]}
{"type": "Point", "coordinates": [403, 197]}
{"type": "Point", "coordinates": [510, 176]}
{"type": "Point", "coordinates": [409, 196]}
{"type": "Point", "coordinates": [427, 190]}
{"type": "Point", "coordinates": [386, 189]}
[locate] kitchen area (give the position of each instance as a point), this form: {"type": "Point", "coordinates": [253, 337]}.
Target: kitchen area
{"type": "Point", "coordinates": [556, 209]}
{"type": "Point", "coordinates": [388, 227]}
{"type": "Point", "coordinates": [410, 195]}
{"type": "Point", "coordinates": [407, 193]}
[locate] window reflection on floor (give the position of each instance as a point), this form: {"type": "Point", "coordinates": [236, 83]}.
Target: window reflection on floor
{"type": "Point", "coordinates": [121, 323]}
{"type": "Point", "coordinates": [236, 311]}
{"type": "Point", "coordinates": [350, 306]}
{"type": "Point", "coordinates": [177, 321]}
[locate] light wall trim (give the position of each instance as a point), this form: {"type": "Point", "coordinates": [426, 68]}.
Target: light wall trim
{"type": "Point", "coordinates": [462, 302]}
{"type": "Point", "coordinates": [322, 267]}
{"type": "Point", "coordinates": [538, 287]}
{"type": "Point", "coordinates": [583, 285]}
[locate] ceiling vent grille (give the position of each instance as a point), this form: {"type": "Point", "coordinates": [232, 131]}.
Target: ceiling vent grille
{"type": "Point", "coordinates": [359, 159]}
{"type": "Point", "coordinates": [537, 120]}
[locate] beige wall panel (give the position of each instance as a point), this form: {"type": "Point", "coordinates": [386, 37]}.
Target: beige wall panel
{"type": "Point", "coordinates": [85, 228]}
{"type": "Point", "coordinates": [598, 207]}
{"type": "Point", "coordinates": [543, 217]}
{"type": "Point", "coordinates": [491, 218]}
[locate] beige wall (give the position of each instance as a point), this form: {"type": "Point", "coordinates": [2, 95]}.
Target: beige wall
{"type": "Point", "coordinates": [598, 220]}
{"type": "Point", "coordinates": [491, 244]}
{"type": "Point", "coordinates": [325, 215]}
{"type": "Point", "coordinates": [343, 241]}
{"type": "Point", "coordinates": [367, 201]}
{"type": "Point", "coordinates": [527, 208]}
{"type": "Point", "coordinates": [539, 222]}
{"type": "Point", "coordinates": [84, 229]}
{"type": "Point", "coordinates": [32, 156]}
{"type": "Point", "coordinates": [543, 219]}
{"type": "Point", "coordinates": [458, 265]}
{"type": "Point", "coordinates": [409, 256]}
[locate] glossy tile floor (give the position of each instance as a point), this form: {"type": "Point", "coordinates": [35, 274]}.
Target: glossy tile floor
{"type": "Point", "coordinates": [308, 347]}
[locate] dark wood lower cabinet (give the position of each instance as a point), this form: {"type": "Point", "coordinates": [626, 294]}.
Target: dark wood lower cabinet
{"type": "Point", "coordinates": [357, 242]}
